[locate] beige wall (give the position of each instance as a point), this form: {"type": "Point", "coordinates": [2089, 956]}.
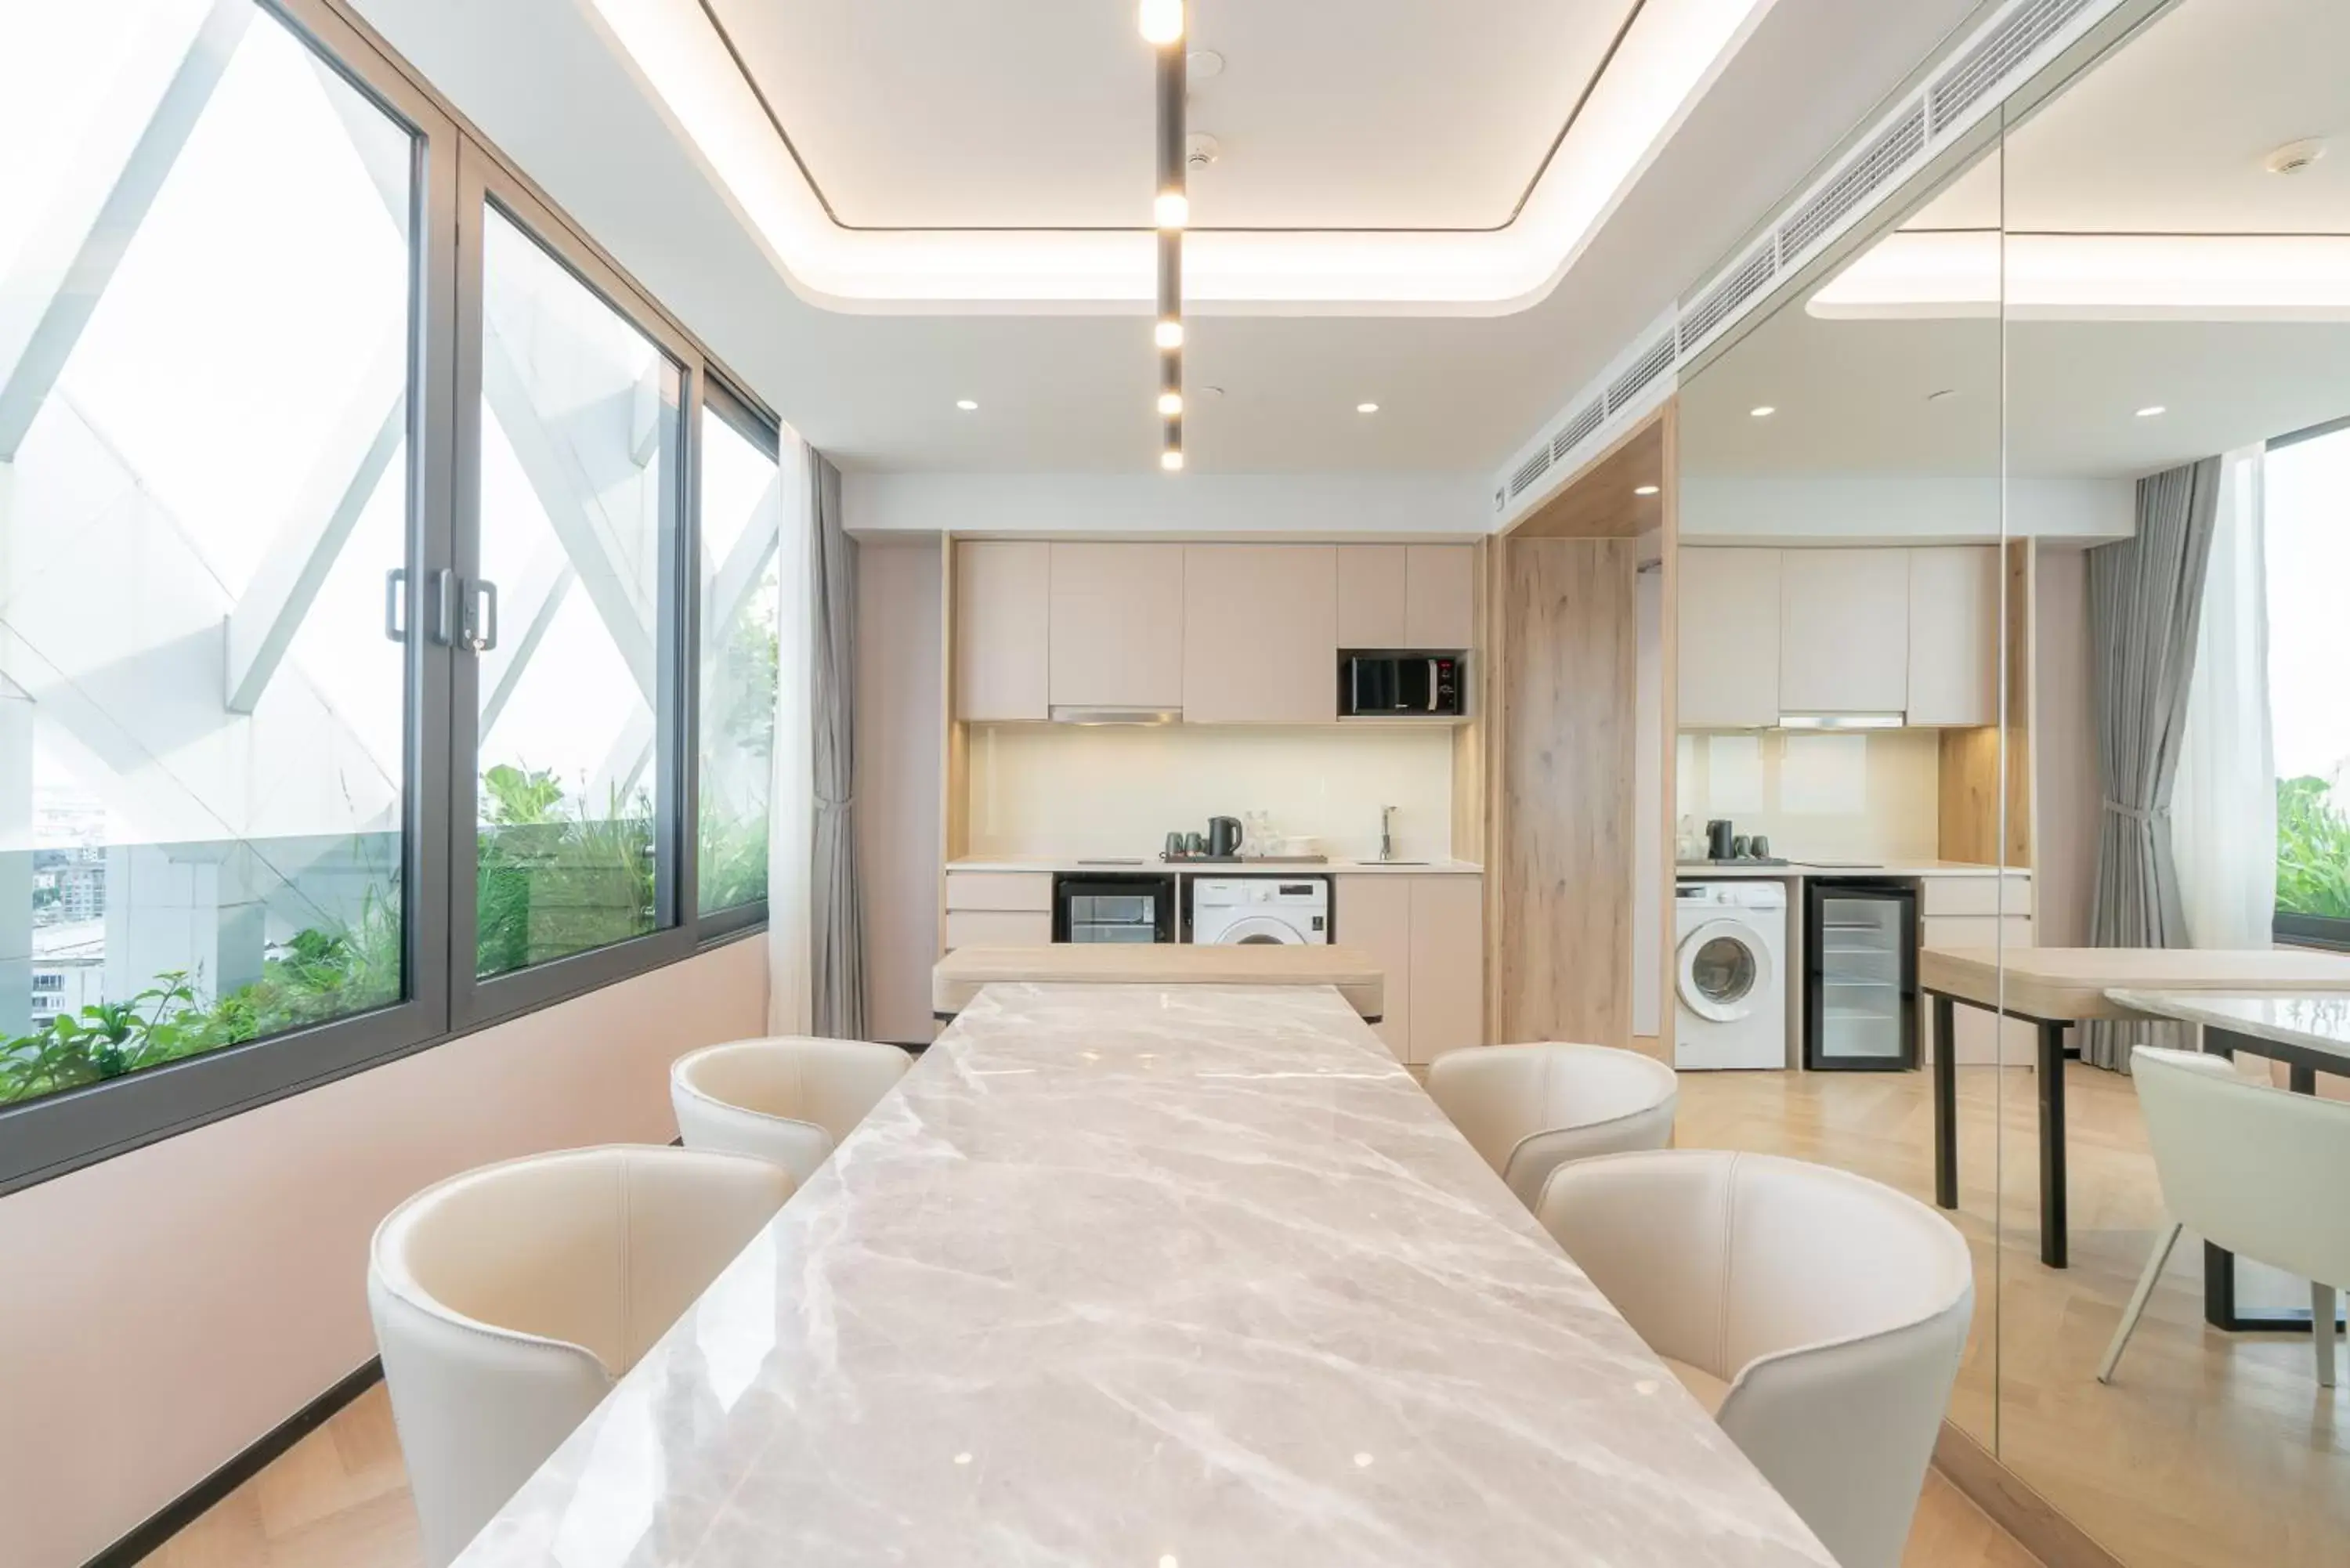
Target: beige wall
{"type": "Point", "coordinates": [163, 1310]}
{"type": "Point", "coordinates": [1071, 790]}
{"type": "Point", "coordinates": [899, 771]}
{"type": "Point", "coordinates": [1869, 796]}
{"type": "Point", "coordinates": [2064, 751]}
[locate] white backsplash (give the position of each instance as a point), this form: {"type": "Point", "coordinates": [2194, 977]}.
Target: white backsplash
{"type": "Point", "coordinates": [1874, 795]}
{"type": "Point", "coordinates": [1082, 790]}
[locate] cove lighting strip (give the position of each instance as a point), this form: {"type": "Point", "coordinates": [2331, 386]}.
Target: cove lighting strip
{"type": "Point", "coordinates": [1947, 273]}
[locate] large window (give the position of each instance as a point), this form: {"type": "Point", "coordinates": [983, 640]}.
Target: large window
{"type": "Point", "coordinates": [348, 556]}
{"type": "Point", "coordinates": [203, 490]}
{"type": "Point", "coordinates": [2307, 528]}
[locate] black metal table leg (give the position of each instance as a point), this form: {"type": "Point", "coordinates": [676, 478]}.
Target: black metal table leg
{"type": "Point", "coordinates": [1946, 1104]}
{"type": "Point", "coordinates": [2054, 1249]}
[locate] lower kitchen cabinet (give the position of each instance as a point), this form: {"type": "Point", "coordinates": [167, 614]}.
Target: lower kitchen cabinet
{"type": "Point", "coordinates": [1427, 933]}
{"type": "Point", "coordinates": [999, 909]}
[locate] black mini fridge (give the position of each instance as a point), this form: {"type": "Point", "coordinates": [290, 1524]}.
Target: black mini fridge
{"type": "Point", "coordinates": [1860, 975]}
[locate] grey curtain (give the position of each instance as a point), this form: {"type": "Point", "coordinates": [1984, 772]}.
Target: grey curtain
{"type": "Point", "coordinates": [2146, 604]}
{"type": "Point", "coordinates": [837, 966]}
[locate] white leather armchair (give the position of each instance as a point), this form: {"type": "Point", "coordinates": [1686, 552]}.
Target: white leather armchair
{"type": "Point", "coordinates": [508, 1300]}
{"type": "Point", "coordinates": [2249, 1167]}
{"type": "Point", "coordinates": [1819, 1315]}
{"type": "Point", "coordinates": [786, 1100]}
{"type": "Point", "coordinates": [1529, 1109]}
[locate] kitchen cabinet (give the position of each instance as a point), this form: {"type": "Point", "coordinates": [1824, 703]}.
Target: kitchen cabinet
{"type": "Point", "coordinates": [1260, 634]}
{"type": "Point", "coordinates": [999, 909]}
{"type": "Point", "coordinates": [1116, 626]}
{"type": "Point", "coordinates": [1427, 935]}
{"type": "Point", "coordinates": [1954, 635]}
{"type": "Point", "coordinates": [1844, 631]}
{"type": "Point", "coordinates": [1728, 643]}
{"type": "Point", "coordinates": [1978, 912]}
{"type": "Point", "coordinates": [1406, 596]}
{"type": "Point", "coordinates": [1002, 591]}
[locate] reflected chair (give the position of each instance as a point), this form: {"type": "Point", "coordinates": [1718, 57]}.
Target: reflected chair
{"type": "Point", "coordinates": [1818, 1314]}
{"type": "Point", "coordinates": [787, 1100]}
{"type": "Point", "coordinates": [509, 1300]}
{"type": "Point", "coordinates": [1529, 1109]}
{"type": "Point", "coordinates": [2247, 1167]}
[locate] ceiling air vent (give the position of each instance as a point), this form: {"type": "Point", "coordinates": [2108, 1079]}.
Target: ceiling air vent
{"type": "Point", "coordinates": [1653, 362]}
{"type": "Point", "coordinates": [1883, 158]}
{"type": "Point", "coordinates": [1745, 280]}
{"type": "Point", "coordinates": [1534, 468]}
{"type": "Point", "coordinates": [1985, 66]}
{"type": "Point", "coordinates": [1573, 433]}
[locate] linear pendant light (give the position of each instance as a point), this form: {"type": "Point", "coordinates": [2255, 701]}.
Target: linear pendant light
{"type": "Point", "coordinates": [1163, 26]}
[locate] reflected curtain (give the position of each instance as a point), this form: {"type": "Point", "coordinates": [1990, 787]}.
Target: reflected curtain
{"type": "Point", "coordinates": [2146, 598]}
{"type": "Point", "coordinates": [2224, 809]}
{"type": "Point", "coordinates": [791, 832]}
{"type": "Point", "coordinates": [836, 979]}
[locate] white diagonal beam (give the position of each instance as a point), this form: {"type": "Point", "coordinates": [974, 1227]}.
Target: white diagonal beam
{"type": "Point", "coordinates": [58, 281]}
{"type": "Point", "coordinates": [574, 507]}
{"type": "Point", "coordinates": [534, 608]}
{"type": "Point", "coordinates": [346, 468]}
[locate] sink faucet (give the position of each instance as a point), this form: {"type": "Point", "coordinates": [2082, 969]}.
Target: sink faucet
{"type": "Point", "coordinates": [1387, 832]}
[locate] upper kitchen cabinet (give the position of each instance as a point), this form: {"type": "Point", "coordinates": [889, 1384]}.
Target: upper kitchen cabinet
{"type": "Point", "coordinates": [1728, 643]}
{"type": "Point", "coordinates": [1116, 626]}
{"type": "Point", "coordinates": [1406, 596]}
{"type": "Point", "coordinates": [1003, 592]}
{"type": "Point", "coordinates": [1954, 635]}
{"type": "Point", "coordinates": [1260, 634]}
{"type": "Point", "coordinates": [1844, 631]}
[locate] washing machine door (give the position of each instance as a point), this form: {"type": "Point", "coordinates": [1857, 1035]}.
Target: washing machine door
{"type": "Point", "coordinates": [1725, 970]}
{"type": "Point", "coordinates": [1256, 930]}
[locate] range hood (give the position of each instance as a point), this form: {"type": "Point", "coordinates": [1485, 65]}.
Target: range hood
{"type": "Point", "coordinates": [1842, 720]}
{"type": "Point", "coordinates": [1068, 713]}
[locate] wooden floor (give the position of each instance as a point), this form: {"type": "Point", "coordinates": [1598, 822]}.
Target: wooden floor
{"type": "Point", "coordinates": [338, 1499]}
{"type": "Point", "coordinates": [2211, 1449]}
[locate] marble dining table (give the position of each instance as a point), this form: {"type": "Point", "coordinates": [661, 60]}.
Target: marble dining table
{"type": "Point", "coordinates": [1167, 1277]}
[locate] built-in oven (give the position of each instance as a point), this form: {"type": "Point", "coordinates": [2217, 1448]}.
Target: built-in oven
{"type": "Point", "coordinates": [1089, 907]}
{"type": "Point", "coordinates": [1400, 685]}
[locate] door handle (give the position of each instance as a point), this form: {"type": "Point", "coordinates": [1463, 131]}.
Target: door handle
{"type": "Point", "coordinates": [395, 595]}
{"type": "Point", "coordinates": [1431, 685]}
{"type": "Point", "coordinates": [482, 616]}
{"type": "Point", "coordinates": [444, 629]}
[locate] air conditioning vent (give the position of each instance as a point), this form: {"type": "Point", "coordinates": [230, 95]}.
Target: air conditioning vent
{"type": "Point", "coordinates": [1879, 163]}
{"type": "Point", "coordinates": [1534, 468]}
{"type": "Point", "coordinates": [1748, 278]}
{"type": "Point", "coordinates": [1653, 362]}
{"type": "Point", "coordinates": [1573, 433]}
{"type": "Point", "coordinates": [1985, 66]}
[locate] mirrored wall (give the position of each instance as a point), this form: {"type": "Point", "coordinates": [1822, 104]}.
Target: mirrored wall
{"type": "Point", "coordinates": [2009, 562]}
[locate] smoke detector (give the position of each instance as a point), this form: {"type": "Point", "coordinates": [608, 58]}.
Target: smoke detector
{"type": "Point", "coordinates": [2294, 156]}
{"type": "Point", "coordinates": [1199, 149]}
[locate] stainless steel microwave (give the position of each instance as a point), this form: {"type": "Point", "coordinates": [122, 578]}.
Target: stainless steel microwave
{"type": "Point", "coordinates": [1400, 685]}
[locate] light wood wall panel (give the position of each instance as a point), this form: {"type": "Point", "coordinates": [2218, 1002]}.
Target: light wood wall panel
{"type": "Point", "coordinates": [1566, 776]}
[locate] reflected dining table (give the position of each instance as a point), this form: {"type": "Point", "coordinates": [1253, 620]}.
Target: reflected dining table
{"type": "Point", "coordinates": [1150, 1276]}
{"type": "Point", "coordinates": [2055, 988]}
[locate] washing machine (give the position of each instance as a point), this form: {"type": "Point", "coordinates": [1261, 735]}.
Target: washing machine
{"type": "Point", "coordinates": [1242, 909]}
{"type": "Point", "coordinates": [1729, 974]}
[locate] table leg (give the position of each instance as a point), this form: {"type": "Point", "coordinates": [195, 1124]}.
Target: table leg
{"type": "Point", "coordinates": [2054, 1247]}
{"type": "Point", "coordinates": [1946, 1104]}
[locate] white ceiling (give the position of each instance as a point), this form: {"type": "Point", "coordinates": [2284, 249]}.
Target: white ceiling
{"type": "Point", "coordinates": [2165, 136]}
{"type": "Point", "coordinates": [1069, 391]}
{"type": "Point", "coordinates": [1038, 113]}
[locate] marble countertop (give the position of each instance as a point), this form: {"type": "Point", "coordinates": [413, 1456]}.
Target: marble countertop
{"type": "Point", "coordinates": [1694, 870]}
{"type": "Point", "coordinates": [1183, 1278]}
{"type": "Point", "coordinates": [2316, 1021]}
{"type": "Point", "coordinates": [962, 974]}
{"type": "Point", "coordinates": [1335, 867]}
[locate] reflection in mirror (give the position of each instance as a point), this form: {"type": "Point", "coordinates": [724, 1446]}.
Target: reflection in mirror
{"type": "Point", "coordinates": [1841, 573]}
{"type": "Point", "coordinates": [2178, 302]}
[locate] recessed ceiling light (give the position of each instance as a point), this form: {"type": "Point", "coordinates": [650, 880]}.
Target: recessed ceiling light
{"type": "Point", "coordinates": [1173, 462]}
{"type": "Point", "coordinates": [2151, 409]}
{"type": "Point", "coordinates": [966, 404]}
{"type": "Point", "coordinates": [1366, 408]}
{"type": "Point", "coordinates": [1168, 334]}
{"type": "Point", "coordinates": [1211, 391]}
{"type": "Point", "coordinates": [1943, 396]}
{"type": "Point", "coordinates": [1644, 490]}
{"type": "Point", "coordinates": [1762, 412]}
{"type": "Point", "coordinates": [1203, 63]}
